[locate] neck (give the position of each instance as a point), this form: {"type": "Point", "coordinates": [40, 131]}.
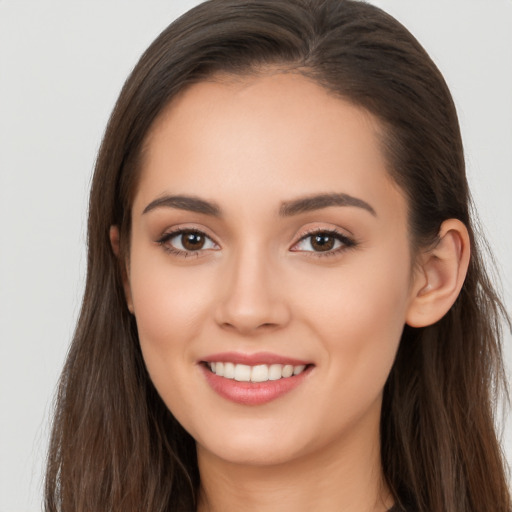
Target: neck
{"type": "Point", "coordinates": [346, 477]}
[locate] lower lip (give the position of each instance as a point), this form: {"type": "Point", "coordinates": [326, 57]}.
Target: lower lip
{"type": "Point", "coordinates": [252, 393]}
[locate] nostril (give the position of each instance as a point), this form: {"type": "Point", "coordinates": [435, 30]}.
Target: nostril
{"type": "Point", "coordinates": [268, 325]}
{"type": "Point", "coordinates": [248, 327]}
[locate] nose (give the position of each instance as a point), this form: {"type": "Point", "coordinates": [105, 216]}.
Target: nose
{"type": "Point", "coordinates": [253, 299]}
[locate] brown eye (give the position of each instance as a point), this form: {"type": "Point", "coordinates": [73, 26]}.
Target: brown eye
{"type": "Point", "coordinates": [322, 242]}
{"type": "Point", "coordinates": [192, 241]}
{"type": "Point", "coordinates": [187, 241]}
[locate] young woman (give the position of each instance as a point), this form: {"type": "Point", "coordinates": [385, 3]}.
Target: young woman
{"type": "Point", "coordinates": [286, 306]}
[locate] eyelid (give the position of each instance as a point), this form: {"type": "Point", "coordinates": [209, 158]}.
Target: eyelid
{"type": "Point", "coordinates": [186, 227]}
{"type": "Point", "coordinates": [175, 231]}
{"type": "Point", "coordinates": [347, 241]}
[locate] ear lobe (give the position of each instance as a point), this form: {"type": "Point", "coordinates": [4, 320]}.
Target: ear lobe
{"type": "Point", "coordinates": [114, 239]}
{"type": "Point", "coordinates": [114, 242]}
{"type": "Point", "coordinates": [441, 276]}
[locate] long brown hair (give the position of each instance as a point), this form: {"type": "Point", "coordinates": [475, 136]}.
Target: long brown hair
{"type": "Point", "coordinates": [115, 446]}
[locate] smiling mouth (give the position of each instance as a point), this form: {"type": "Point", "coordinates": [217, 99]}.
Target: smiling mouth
{"type": "Point", "coordinates": [256, 373]}
{"type": "Point", "coordinates": [254, 379]}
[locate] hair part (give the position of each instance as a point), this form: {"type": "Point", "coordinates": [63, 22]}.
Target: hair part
{"type": "Point", "coordinates": [115, 446]}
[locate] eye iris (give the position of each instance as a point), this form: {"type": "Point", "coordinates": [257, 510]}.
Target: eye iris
{"type": "Point", "coordinates": [322, 242]}
{"type": "Point", "coordinates": [192, 241]}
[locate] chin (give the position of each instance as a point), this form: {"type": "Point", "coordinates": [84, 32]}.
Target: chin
{"type": "Point", "coordinates": [261, 446]}
{"type": "Point", "coordinates": [255, 453]}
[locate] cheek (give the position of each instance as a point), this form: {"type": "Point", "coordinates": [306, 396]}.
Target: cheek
{"type": "Point", "coordinates": [170, 305]}
{"type": "Point", "coordinates": [360, 313]}
{"type": "Point", "coordinates": [170, 309]}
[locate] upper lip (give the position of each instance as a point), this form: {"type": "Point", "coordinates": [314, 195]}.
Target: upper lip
{"type": "Point", "coordinates": [254, 359]}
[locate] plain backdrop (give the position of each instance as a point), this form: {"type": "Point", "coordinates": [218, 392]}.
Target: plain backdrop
{"type": "Point", "coordinates": [62, 64]}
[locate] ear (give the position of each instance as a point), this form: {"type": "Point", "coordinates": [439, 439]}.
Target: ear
{"type": "Point", "coordinates": [114, 242]}
{"type": "Point", "coordinates": [440, 276]}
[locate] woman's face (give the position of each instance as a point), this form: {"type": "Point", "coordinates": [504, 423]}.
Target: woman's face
{"type": "Point", "coordinates": [269, 239]}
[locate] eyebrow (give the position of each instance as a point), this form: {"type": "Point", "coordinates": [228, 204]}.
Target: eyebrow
{"type": "Point", "coordinates": [287, 209]}
{"type": "Point", "coordinates": [317, 202]}
{"type": "Point", "coordinates": [190, 203]}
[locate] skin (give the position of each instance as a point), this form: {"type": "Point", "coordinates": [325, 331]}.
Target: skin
{"type": "Point", "coordinates": [248, 145]}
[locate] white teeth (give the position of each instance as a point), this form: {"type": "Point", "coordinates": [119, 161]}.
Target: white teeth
{"type": "Point", "coordinates": [275, 371]}
{"type": "Point", "coordinates": [242, 372]}
{"type": "Point", "coordinates": [258, 373]}
{"type": "Point", "coordinates": [229, 370]}
{"type": "Point", "coordinates": [287, 371]}
{"type": "Point", "coordinates": [296, 369]}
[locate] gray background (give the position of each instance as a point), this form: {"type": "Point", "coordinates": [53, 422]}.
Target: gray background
{"type": "Point", "coordinates": [62, 64]}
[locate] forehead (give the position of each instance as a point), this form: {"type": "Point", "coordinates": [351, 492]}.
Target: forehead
{"type": "Point", "coordinates": [272, 134]}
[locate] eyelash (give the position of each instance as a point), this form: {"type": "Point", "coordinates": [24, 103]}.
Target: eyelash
{"type": "Point", "coordinates": [346, 242]}
{"type": "Point", "coordinates": [166, 237]}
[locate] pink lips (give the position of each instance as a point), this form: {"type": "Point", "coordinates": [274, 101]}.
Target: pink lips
{"type": "Point", "coordinates": [253, 393]}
